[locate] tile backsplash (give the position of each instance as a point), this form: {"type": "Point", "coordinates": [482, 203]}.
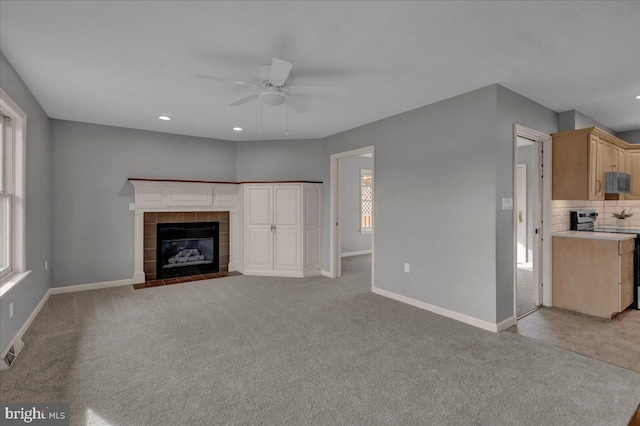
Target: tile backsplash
{"type": "Point", "coordinates": [560, 220]}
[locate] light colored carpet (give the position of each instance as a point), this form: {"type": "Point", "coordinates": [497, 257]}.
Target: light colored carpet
{"type": "Point", "coordinates": [274, 351]}
{"type": "Point", "coordinates": [524, 295]}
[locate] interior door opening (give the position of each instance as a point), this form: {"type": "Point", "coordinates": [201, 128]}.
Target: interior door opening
{"type": "Point", "coordinates": [528, 217]}
{"type": "Point", "coordinates": [352, 217]}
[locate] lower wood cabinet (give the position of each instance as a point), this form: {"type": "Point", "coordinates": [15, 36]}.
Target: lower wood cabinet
{"type": "Point", "coordinates": [593, 276]}
{"type": "Point", "coordinates": [283, 229]}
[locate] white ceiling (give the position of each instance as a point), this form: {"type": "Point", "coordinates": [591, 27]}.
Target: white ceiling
{"type": "Point", "coordinates": [125, 63]}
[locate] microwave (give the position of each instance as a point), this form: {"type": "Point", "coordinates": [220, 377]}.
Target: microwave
{"type": "Point", "coordinates": [617, 183]}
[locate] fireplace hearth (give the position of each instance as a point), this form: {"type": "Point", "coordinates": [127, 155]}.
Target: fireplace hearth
{"type": "Point", "coordinates": [185, 249]}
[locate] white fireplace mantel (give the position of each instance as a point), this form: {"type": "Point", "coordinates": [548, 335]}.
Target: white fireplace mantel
{"type": "Point", "coordinates": [153, 195]}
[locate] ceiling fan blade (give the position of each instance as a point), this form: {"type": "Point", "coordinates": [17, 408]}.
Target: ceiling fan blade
{"type": "Point", "coordinates": [245, 100]}
{"type": "Point", "coordinates": [279, 71]}
{"type": "Point", "coordinates": [317, 90]}
{"type": "Point", "coordinates": [296, 105]}
{"type": "Point", "coordinates": [238, 82]}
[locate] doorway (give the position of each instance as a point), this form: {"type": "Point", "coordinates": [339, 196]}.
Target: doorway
{"type": "Point", "coordinates": [352, 221]}
{"type": "Point", "coordinates": [529, 215]}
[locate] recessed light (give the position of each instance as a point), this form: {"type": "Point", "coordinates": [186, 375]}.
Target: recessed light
{"type": "Point", "coordinates": [638, 97]}
{"type": "Point", "coordinates": [164, 118]}
{"type": "Point", "coordinates": [237, 129]}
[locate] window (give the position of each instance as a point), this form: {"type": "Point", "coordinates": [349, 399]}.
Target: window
{"type": "Point", "coordinates": [366, 200]}
{"type": "Point", "coordinates": [12, 194]}
{"type": "Point", "coordinates": [5, 196]}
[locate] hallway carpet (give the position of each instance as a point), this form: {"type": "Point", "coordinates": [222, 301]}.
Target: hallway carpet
{"type": "Point", "coordinates": [276, 351]}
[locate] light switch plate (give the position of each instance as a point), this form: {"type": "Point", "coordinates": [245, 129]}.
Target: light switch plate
{"type": "Point", "coordinates": [132, 206]}
{"type": "Point", "coordinates": [507, 204]}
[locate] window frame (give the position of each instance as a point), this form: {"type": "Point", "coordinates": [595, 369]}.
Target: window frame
{"type": "Point", "coordinates": [6, 191]}
{"type": "Point", "coordinates": [14, 168]}
{"type": "Point", "coordinates": [363, 173]}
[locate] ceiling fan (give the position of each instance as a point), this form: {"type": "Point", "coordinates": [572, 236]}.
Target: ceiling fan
{"type": "Point", "coordinates": [273, 89]}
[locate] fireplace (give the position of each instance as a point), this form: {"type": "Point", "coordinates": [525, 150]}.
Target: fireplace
{"type": "Point", "coordinates": [187, 248]}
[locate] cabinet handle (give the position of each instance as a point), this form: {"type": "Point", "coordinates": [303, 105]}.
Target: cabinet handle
{"type": "Point", "coordinates": [599, 186]}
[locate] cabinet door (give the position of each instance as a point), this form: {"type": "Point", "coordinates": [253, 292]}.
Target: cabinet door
{"type": "Point", "coordinates": [287, 212]}
{"type": "Point", "coordinates": [593, 167]}
{"type": "Point", "coordinates": [259, 205]}
{"type": "Point", "coordinates": [599, 162]}
{"type": "Point", "coordinates": [618, 159]}
{"type": "Point", "coordinates": [633, 168]}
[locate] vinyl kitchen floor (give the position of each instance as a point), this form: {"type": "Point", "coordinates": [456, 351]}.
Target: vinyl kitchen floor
{"type": "Point", "coordinates": [615, 341]}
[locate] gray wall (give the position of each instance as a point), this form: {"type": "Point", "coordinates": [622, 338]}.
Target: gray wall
{"type": "Point", "coordinates": [93, 233]}
{"type": "Point", "coordinates": [279, 160]}
{"type": "Point", "coordinates": [512, 109]}
{"type": "Point", "coordinates": [631, 136]}
{"type": "Point", "coordinates": [525, 156]}
{"type": "Point", "coordinates": [351, 239]}
{"type": "Point", "coordinates": [433, 167]}
{"type": "Point", "coordinates": [573, 120]}
{"type": "Point", "coordinates": [27, 294]}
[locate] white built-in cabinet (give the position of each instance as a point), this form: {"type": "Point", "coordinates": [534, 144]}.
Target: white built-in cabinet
{"type": "Point", "coordinates": [282, 229]}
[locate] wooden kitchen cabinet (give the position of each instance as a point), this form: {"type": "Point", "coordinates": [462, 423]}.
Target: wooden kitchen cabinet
{"type": "Point", "coordinates": [580, 160]}
{"type": "Point", "coordinates": [593, 276]}
{"type": "Point", "coordinates": [633, 168]}
{"type": "Point", "coordinates": [618, 159]}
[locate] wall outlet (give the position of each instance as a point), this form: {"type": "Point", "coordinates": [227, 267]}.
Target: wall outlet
{"type": "Point", "coordinates": [132, 206]}
{"type": "Point", "coordinates": [11, 310]}
{"type": "Point", "coordinates": [407, 269]}
{"type": "Point", "coordinates": [46, 265]}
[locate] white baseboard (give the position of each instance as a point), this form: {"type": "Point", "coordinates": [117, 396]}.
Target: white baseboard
{"type": "Point", "coordinates": [233, 266]}
{"type": "Point", "coordinates": [313, 273]}
{"type": "Point", "coordinates": [282, 274]}
{"type": "Point", "coordinates": [138, 278]}
{"type": "Point", "coordinates": [326, 274]}
{"type": "Point", "coordinates": [355, 253]}
{"type": "Point", "coordinates": [33, 315]}
{"type": "Point", "coordinates": [18, 336]}
{"type": "Point", "coordinates": [485, 325]}
{"type": "Point", "coordinates": [92, 286]}
{"type": "Point", "coordinates": [503, 325]}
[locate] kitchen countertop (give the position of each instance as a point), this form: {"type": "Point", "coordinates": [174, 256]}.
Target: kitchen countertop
{"type": "Point", "coordinates": [595, 235]}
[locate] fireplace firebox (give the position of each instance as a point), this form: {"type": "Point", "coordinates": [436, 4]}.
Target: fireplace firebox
{"type": "Point", "coordinates": [185, 249]}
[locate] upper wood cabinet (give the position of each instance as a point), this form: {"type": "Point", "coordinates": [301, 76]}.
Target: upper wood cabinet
{"type": "Point", "coordinates": [580, 160]}
{"type": "Point", "coordinates": [633, 168]}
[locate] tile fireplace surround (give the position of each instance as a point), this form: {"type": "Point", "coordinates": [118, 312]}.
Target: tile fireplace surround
{"type": "Point", "coordinates": [151, 219]}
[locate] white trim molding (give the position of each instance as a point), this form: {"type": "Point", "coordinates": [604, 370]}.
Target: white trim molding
{"type": "Point", "coordinates": [334, 229]}
{"type": "Point", "coordinates": [92, 286]}
{"type": "Point", "coordinates": [543, 273]}
{"type": "Point", "coordinates": [18, 189]}
{"type": "Point", "coordinates": [17, 338]}
{"type": "Point", "coordinates": [485, 325]}
{"type": "Point", "coordinates": [355, 253]}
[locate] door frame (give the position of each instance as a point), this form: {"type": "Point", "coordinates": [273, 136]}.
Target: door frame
{"type": "Point", "coordinates": [522, 168]}
{"type": "Point", "coordinates": [335, 264]}
{"type": "Point", "coordinates": [541, 216]}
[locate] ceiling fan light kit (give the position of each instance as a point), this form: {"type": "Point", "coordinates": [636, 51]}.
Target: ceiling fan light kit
{"type": "Point", "coordinates": [273, 98]}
